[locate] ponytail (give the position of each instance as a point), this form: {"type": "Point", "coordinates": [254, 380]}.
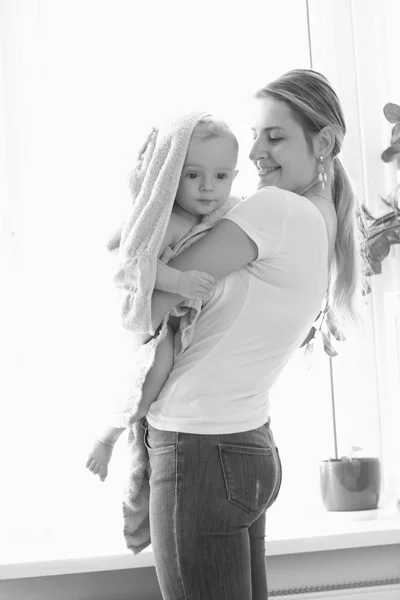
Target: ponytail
{"type": "Point", "coordinates": [346, 281]}
{"type": "Point", "coordinates": [315, 105]}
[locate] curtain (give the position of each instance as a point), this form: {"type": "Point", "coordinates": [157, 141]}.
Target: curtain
{"type": "Point", "coordinates": [82, 81]}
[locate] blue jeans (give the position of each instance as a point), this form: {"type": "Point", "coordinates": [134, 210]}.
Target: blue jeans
{"type": "Point", "coordinates": [208, 497]}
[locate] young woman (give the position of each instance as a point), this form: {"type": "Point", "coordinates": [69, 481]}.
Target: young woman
{"type": "Point", "coordinates": [214, 465]}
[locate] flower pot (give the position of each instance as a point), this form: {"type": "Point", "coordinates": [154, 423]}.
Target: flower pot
{"type": "Point", "coordinates": [350, 484]}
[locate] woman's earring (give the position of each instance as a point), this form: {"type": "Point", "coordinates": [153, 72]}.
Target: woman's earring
{"type": "Point", "coordinates": [323, 177]}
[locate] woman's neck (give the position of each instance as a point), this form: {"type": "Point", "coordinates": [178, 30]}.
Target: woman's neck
{"type": "Point", "coordinates": [314, 188]}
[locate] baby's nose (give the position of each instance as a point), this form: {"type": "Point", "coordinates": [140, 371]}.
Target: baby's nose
{"type": "Point", "coordinates": [207, 184]}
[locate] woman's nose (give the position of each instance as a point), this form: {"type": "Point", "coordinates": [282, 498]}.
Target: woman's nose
{"type": "Point", "coordinates": [257, 150]}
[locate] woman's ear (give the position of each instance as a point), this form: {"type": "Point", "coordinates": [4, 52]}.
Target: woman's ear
{"type": "Point", "coordinates": [324, 142]}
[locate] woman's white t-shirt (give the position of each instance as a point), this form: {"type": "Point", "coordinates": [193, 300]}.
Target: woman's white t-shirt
{"type": "Point", "coordinates": [256, 319]}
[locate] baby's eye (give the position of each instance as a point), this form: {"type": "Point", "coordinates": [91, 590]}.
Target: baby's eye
{"type": "Point", "coordinates": [222, 175]}
{"type": "Point", "coordinates": [192, 175]}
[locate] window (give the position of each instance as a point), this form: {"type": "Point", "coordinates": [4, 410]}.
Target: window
{"type": "Point", "coordinates": [354, 44]}
{"type": "Point", "coordinates": [83, 81]}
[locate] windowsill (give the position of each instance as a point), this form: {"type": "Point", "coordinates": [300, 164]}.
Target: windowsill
{"type": "Point", "coordinates": [323, 532]}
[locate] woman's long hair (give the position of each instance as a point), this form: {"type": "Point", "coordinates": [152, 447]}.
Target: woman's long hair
{"type": "Point", "coordinates": [315, 105]}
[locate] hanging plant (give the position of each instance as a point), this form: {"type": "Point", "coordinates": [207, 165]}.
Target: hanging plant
{"type": "Point", "coordinates": [381, 233]}
{"type": "Point", "coordinates": [392, 114]}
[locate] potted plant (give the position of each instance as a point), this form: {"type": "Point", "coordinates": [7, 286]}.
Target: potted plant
{"type": "Point", "coordinates": [353, 483]}
{"type": "Point", "coordinates": [350, 482]}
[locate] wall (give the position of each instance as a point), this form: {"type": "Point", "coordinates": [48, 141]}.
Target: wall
{"type": "Point", "coordinates": [288, 571]}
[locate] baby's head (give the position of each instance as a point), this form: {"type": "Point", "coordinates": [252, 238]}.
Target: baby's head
{"type": "Point", "coordinates": [209, 168]}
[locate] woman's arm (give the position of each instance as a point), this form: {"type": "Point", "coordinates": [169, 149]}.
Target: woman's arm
{"type": "Point", "coordinates": [189, 284]}
{"type": "Point", "coordinates": [224, 249]}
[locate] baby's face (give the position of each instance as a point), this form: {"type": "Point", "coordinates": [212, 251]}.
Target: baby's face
{"type": "Point", "coordinates": [207, 174]}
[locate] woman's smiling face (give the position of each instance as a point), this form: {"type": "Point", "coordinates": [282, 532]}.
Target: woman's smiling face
{"type": "Point", "coordinates": [280, 150]}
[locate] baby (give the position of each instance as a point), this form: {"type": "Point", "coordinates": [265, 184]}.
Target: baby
{"type": "Point", "coordinates": [205, 184]}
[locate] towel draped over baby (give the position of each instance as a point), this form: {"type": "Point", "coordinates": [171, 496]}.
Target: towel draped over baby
{"type": "Point", "coordinates": [136, 246]}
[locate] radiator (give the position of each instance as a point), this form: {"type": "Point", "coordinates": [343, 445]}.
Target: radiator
{"type": "Point", "coordinates": [384, 589]}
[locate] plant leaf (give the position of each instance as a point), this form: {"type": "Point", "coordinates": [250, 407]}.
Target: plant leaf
{"type": "Point", "coordinates": [395, 134]}
{"type": "Point", "coordinates": [380, 248]}
{"type": "Point", "coordinates": [310, 336]}
{"type": "Point", "coordinates": [392, 112]}
{"type": "Point", "coordinates": [367, 288]}
{"type": "Point", "coordinates": [375, 268]}
{"type": "Point", "coordinates": [308, 355]}
{"type": "Point", "coordinates": [390, 153]}
{"type": "Point", "coordinates": [396, 197]}
{"type": "Point", "coordinates": [329, 349]}
{"type": "Point", "coordinates": [366, 213]}
{"type": "Point", "coordinates": [337, 334]}
{"type": "Point", "coordinates": [387, 202]}
{"type": "Point", "coordinates": [376, 230]}
{"type": "Point", "coordinates": [353, 451]}
{"type": "Point", "coordinates": [393, 236]}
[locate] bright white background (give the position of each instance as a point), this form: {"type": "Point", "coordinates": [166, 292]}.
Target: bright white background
{"type": "Point", "coordinates": [81, 83]}
{"type": "Point", "coordinates": [355, 42]}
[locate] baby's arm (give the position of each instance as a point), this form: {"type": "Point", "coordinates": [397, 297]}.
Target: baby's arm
{"type": "Point", "coordinates": [189, 284]}
{"type": "Point", "coordinates": [100, 455]}
{"type": "Point", "coordinates": [224, 249]}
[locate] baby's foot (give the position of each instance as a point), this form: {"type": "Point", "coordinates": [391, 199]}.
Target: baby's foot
{"type": "Point", "coordinates": [98, 459]}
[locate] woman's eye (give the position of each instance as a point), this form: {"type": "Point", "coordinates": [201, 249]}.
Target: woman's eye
{"type": "Point", "coordinates": [192, 175]}
{"type": "Point", "coordinates": [272, 140]}
{"type": "Point", "coordinates": [222, 175]}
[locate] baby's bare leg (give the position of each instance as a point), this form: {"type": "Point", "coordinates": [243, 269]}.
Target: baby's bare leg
{"type": "Point", "coordinates": [158, 374]}
{"type": "Point", "coordinates": [101, 452]}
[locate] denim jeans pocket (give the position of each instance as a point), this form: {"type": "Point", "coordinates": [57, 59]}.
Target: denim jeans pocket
{"type": "Point", "coordinates": [157, 441]}
{"type": "Point", "coordinates": [251, 475]}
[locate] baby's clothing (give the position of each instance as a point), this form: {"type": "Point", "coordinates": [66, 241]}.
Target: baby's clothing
{"type": "Point", "coordinates": [154, 184]}
{"type": "Point", "coordinates": [136, 498]}
{"type": "Point", "coordinates": [256, 320]}
{"type": "Point", "coordinates": [177, 230]}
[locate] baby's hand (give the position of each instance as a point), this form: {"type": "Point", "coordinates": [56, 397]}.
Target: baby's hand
{"type": "Point", "coordinates": [98, 459]}
{"type": "Point", "coordinates": [195, 284]}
